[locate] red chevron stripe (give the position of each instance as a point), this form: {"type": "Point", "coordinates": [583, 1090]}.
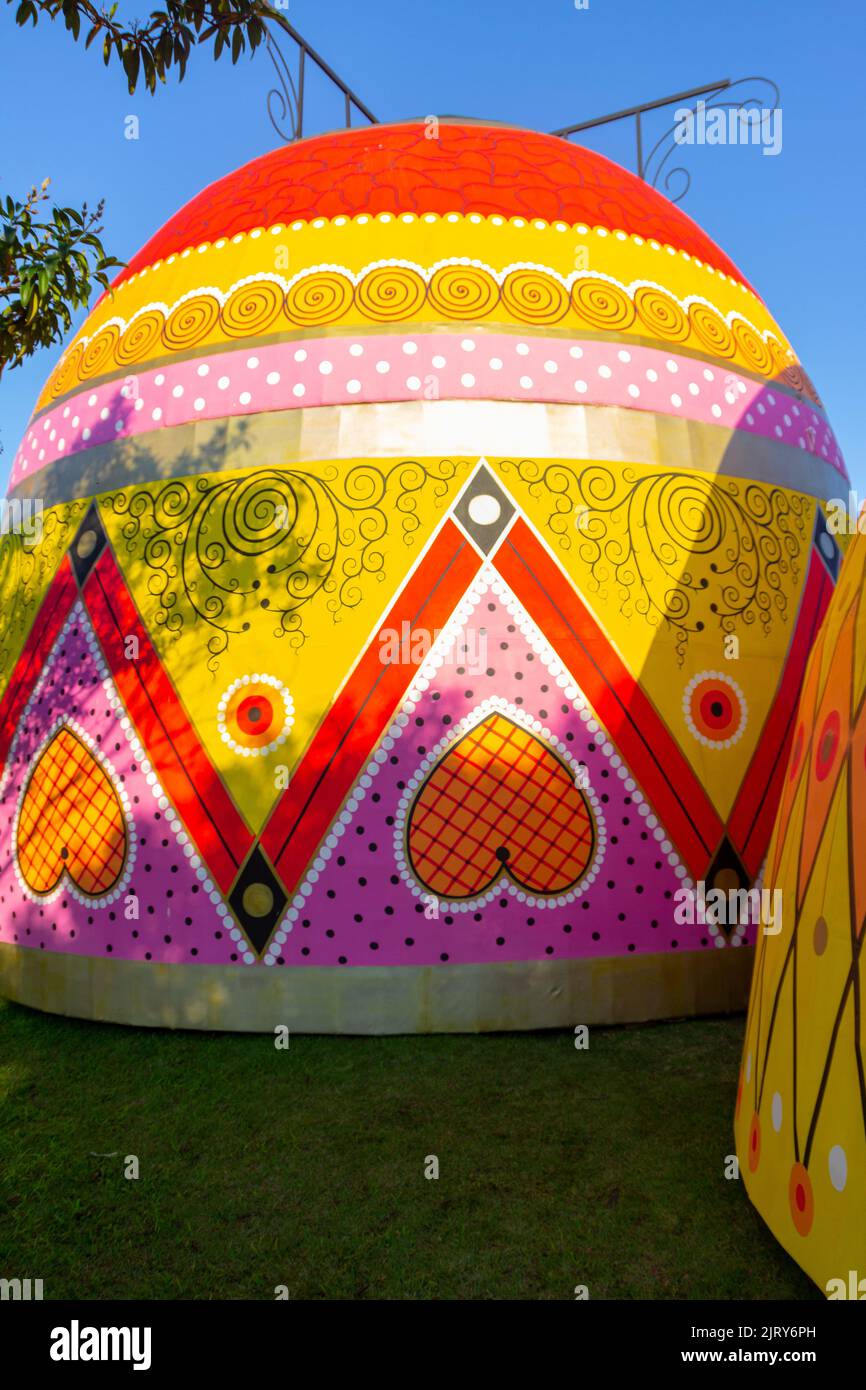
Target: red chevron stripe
{"type": "Point", "coordinates": [352, 728]}
{"type": "Point", "coordinates": [217, 828]}
{"type": "Point", "coordinates": [750, 824]}
{"type": "Point", "coordinates": [652, 755]}
{"type": "Point", "coordinates": [53, 612]}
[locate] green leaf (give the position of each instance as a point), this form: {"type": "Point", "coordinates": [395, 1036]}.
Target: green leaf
{"type": "Point", "coordinates": [131, 60]}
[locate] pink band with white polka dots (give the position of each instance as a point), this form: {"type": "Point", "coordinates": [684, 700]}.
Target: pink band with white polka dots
{"type": "Point", "coordinates": [427, 367]}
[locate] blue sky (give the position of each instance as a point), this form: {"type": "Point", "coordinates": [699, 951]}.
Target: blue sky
{"type": "Point", "coordinates": [793, 223]}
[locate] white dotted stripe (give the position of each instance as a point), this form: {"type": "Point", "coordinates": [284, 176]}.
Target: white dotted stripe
{"type": "Point", "coordinates": [383, 219]}
{"type": "Point", "coordinates": [425, 367]}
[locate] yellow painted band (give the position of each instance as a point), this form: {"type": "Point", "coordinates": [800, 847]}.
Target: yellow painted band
{"type": "Point", "coordinates": [339, 274]}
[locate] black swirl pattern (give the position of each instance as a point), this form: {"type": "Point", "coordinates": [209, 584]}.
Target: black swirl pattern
{"type": "Point", "coordinates": [270, 541]}
{"type": "Point", "coordinates": [682, 549]}
{"type": "Point", "coordinates": [25, 571]}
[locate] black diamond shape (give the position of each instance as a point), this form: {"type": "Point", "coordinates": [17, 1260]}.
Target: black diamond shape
{"type": "Point", "coordinates": [826, 545]}
{"type": "Point", "coordinates": [725, 863]}
{"type": "Point", "coordinates": [488, 497]}
{"type": "Point", "coordinates": [257, 900]}
{"type": "Point", "coordinates": [89, 543]}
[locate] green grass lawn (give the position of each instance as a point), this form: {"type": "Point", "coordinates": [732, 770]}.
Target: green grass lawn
{"type": "Point", "coordinates": [306, 1167]}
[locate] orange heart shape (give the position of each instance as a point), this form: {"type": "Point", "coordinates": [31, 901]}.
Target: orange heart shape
{"type": "Point", "coordinates": [71, 821]}
{"type": "Point", "coordinates": [500, 801]}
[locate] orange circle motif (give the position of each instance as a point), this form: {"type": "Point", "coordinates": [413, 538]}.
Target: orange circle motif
{"type": "Point", "coordinates": [801, 1199]}
{"type": "Point", "coordinates": [255, 715]}
{"type": "Point", "coordinates": [714, 709]}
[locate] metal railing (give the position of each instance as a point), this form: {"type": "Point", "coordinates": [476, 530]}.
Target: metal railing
{"type": "Point", "coordinates": [288, 98]}
{"type": "Point", "coordinates": [285, 104]}
{"type": "Point", "coordinates": [651, 167]}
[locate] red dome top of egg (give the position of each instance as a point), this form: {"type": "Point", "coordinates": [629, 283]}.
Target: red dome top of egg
{"type": "Point", "coordinates": [397, 169]}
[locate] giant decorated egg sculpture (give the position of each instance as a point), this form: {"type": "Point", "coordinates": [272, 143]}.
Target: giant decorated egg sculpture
{"type": "Point", "coordinates": [431, 550]}
{"type": "Point", "coordinates": [801, 1102]}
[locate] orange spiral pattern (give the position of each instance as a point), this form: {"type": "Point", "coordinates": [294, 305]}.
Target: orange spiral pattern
{"type": "Point", "coordinates": [661, 314]}
{"type": "Point", "coordinates": [100, 352]}
{"type": "Point", "coordinates": [711, 330]}
{"type": "Point", "coordinates": [69, 371]}
{"type": "Point", "coordinates": [191, 321]}
{"type": "Point", "coordinates": [390, 292]}
{"type": "Point", "coordinates": [462, 291]}
{"type": "Point", "coordinates": [782, 356]}
{"type": "Point", "coordinates": [251, 308]}
{"type": "Point", "coordinates": [320, 298]}
{"type": "Point", "coordinates": [602, 304]}
{"type": "Point", "coordinates": [456, 290]}
{"type": "Point", "coordinates": [752, 347]}
{"type": "Point", "coordinates": [141, 337]}
{"type": "Point", "coordinates": [534, 297]}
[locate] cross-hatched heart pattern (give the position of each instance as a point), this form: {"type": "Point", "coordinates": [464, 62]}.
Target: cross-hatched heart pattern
{"type": "Point", "coordinates": [500, 801]}
{"type": "Point", "coordinates": [71, 819]}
